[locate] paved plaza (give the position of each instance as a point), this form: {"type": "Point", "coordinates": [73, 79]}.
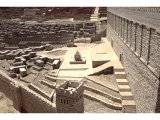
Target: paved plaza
{"type": "Point", "coordinates": [76, 70]}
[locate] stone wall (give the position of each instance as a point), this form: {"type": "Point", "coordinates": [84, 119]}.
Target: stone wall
{"type": "Point", "coordinates": [69, 105]}
{"type": "Point", "coordinates": [140, 46]}
{"type": "Point", "coordinates": [147, 9]}
{"type": "Point", "coordinates": [5, 86]}
{"type": "Point", "coordinates": [24, 98]}
{"type": "Point", "coordinates": [34, 103]}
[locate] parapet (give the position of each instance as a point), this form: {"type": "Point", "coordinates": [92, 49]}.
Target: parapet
{"type": "Point", "coordinates": [69, 88]}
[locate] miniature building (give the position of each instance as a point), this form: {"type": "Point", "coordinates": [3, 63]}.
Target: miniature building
{"type": "Point", "coordinates": [69, 97]}
{"type": "Point", "coordinates": [48, 47]}
{"type": "Point", "coordinates": [28, 51]}
{"type": "Point", "coordinates": [10, 56]}
{"type": "Point", "coordinates": [71, 44]}
{"type": "Point", "coordinates": [37, 68]}
{"type": "Point", "coordinates": [32, 54]}
{"type": "Point", "coordinates": [44, 59]}
{"type": "Point", "coordinates": [34, 59]}
{"type": "Point", "coordinates": [39, 63]}
{"type": "Point", "coordinates": [23, 72]}
{"type": "Point", "coordinates": [18, 63]}
{"type": "Point", "coordinates": [56, 64]}
{"type": "Point", "coordinates": [77, 56]}
{"type": "Point", "coordinates": [78, 59]}
{"type": "Point", "coordinates": [15, 69]}
{"type": "Point", "coordinates": [23, 60]}
{"type": "Point", "coordinates": [27, 56]}
{"type": "Point", "coordinates": [17, 59]}
{"type": "Point", "coordinates": [12, 75]}
{"type": "Point", "coordinates": [50, 60]}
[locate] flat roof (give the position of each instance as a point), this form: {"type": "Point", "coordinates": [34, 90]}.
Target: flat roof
{"type": "Point", "coordinates": [149, 19]}
{"type": "Point", "coordinates": [22, 69]}
{"type": "Point", "coordinates": [56, 61]}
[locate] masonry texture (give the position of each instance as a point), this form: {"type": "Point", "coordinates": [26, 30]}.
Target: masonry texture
{"type": "Point", "coordinates": [136, 39]}
{"type": "Point", "coordinates": [23, 98]}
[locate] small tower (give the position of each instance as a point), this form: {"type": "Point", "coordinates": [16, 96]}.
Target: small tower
{"type": "Point", "coordinates": [77, 56]}
{"type": "Point", "coordinates": [69, 97]}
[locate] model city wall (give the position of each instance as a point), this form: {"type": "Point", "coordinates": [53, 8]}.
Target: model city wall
{"type": "Point", "coordinates": [27, 100]}
{"type": "Point", "coordinates": [24, 99]}
{"type": "Point", "coordinates": [138, 47]}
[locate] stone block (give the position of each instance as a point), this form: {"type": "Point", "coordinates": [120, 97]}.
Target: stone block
{"type": "Point", "coordinates": [129, 106]}
{"type": "Point", "coordinates": [126, 95]}
{"type": "Point", "coordinates": [124, 88]}
{"type": "Point", "coordinates": [120, 75]}
{"type": "Point", "coordinates": [122, 81]}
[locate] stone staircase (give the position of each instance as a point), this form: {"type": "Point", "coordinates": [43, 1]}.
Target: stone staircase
{"type": "Point", "coordinates": [102, 94]}
{"type": "Point", "coordinates": [95, 17]}
{"type": "Point", "coordinates": [103, 100]}
{"type": "Point", "coordinates": [128, 102]}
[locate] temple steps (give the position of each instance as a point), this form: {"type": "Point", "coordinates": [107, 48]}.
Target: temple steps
{"type": "Point", "coordinates": [99, 85]}
{"type": "Point", "coordinates": [128, 103]}
{"type": "Point", "coordinates": [103, 100]}
{"type": "Point", "coordinates": [102, 93]}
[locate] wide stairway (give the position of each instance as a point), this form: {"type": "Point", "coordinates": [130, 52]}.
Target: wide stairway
{"type": "Point", "coordinates": [95, 15]}
{"type": "Point", "coordinates": [104, 95]}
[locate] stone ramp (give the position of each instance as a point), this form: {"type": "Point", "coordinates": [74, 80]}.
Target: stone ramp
{"type": "Point", "coordinates": [91, 106]}
{"type": "Point", "coordinates": [108, 84]}
{"type": "Point", "coordinates": [98, 92]}
{"type": "Point", "coordinates": [104, 68]}
{"type": "Point", "coordinates": [103, 100]}
{"type": "Point", "coordinates": [106, 94]}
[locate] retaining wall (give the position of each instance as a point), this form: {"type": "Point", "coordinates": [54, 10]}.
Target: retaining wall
{"type": "Point", "coordinates": [138, 46]}
{"type": "Point", "coordinates": [23, 98]}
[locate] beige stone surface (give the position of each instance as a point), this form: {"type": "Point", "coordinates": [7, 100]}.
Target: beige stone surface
{"type": "Point", "coordinates": [126, 95]}
{"type": "Point", "coordinates": [129, 106]}
{"type": "Point", "coordinates": [120, 75]}
{"type": "Point", "coordinates": [124, 88]}
{"type": "Point", "coordinates": [122, 81]}
{"type": "Point", "coordinates": [103, 52]}
{"type": "Point", "coordinates": [128, 103]}
{"type": "Point", "coordinates": [76, 70]}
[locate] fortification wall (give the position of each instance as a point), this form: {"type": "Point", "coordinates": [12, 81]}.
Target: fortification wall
{"type": "Point", "coordinates": [23, 98]}
{"type": "Point", "coordinates": [11, 89]}
{"type": "Point", "coordinates": [138, 47]}
{"type": "Point", "coordinates": [5, 86]}
{"type": "Point", "coordinates": [148, 9]}
{"type": "Point", "coordinates": [34, 103]}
